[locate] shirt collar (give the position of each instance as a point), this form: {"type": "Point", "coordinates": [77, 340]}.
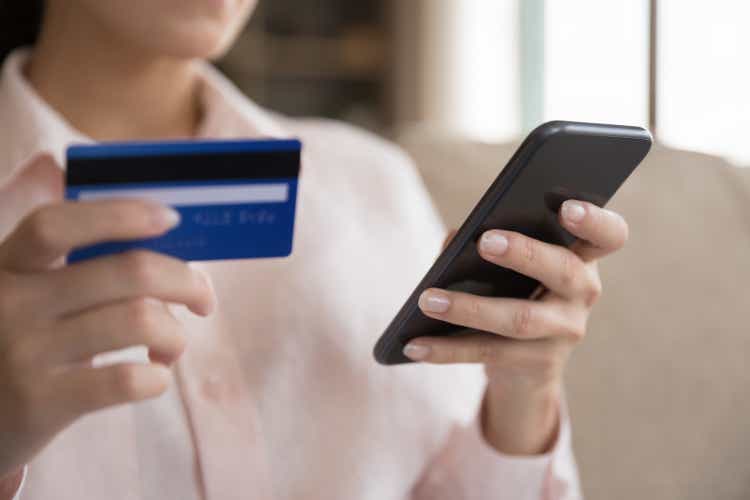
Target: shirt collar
{"type": "Point", "coordinates": [229, 113]}
{"type": "Point", "coordinates": [36, 127]}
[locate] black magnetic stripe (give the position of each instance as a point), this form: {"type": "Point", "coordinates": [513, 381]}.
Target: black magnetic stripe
{"type": "Point", "coordinates": [255, 165]}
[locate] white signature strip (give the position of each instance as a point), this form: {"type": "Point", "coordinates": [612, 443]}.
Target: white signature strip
{"type": "Point", "coordinates": [198, 195]}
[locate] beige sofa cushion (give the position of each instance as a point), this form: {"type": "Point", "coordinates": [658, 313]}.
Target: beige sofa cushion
{"type": "Point", "coordinates": [660, 389]}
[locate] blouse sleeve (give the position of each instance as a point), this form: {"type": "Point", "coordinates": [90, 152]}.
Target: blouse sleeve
{"type": "Point", "coordinates": [469, 468]}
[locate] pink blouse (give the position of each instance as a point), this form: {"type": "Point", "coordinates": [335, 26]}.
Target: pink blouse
{"type": "Point", "coordinates": [277, 395]}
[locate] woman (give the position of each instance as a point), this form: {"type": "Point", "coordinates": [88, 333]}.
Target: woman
{"type": "Point", "coordinates": [263, 385]}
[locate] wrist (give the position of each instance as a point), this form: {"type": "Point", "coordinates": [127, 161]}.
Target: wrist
{"type": "Point", "coordinates": [521, 422]}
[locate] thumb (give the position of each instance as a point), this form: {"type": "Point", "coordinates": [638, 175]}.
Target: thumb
{"type": "Point", "coordinates": [39, 182]}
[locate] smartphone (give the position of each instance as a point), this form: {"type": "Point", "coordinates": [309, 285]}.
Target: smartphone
{"type": "Point", "coordinates": [558, 161]}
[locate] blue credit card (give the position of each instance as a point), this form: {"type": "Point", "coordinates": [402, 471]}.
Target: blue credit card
{"type": "Point", "coordinates": [237, 199]}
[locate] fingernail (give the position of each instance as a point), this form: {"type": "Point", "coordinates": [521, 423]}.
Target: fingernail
{"type": "Point", "coordinates": [573, 211]}
{"type": "Point", "coordinates": [167, 217]}
{"type": "Point", "coordinates": [434, 301]}
{"type": "Point", "coordinates": [493, 243]}
{"type": "Point", "coordinates": [417, 352]}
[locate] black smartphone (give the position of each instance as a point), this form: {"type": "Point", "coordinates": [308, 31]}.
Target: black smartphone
{"type": "Point", "coordinates": [558, 161]}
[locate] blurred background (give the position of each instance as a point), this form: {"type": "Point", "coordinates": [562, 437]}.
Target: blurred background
{"type": "Point", "coordinates": [493, 69]}
{"type": "Point", "coordinates": [660, 390]}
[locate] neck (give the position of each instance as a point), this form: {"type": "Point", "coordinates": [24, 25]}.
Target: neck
{"type": "Point", "coordinates": [108, 88]}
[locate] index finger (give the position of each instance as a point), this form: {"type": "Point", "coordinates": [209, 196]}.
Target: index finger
{"type": "Point", "coordinates": [601, 231]}
{"type": "Point", "coordinates": [52, 231]}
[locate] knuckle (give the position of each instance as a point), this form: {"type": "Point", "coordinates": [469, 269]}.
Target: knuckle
{"type": "Point", "coordinates": [41, 227]}
{"type": "Point", "coordinates": [200, 280]}
{"type": "Point", "coordinates": [174, 340]}
{"type": "Point", "coordinates": [484, 352]}
{"type": "Point", "coordinates": [179, 343]}
{"type": "Point", "coordinates": [446, 353]}
{"type": "Point", "coordinates": [119, 215]}
{"type": "Point", "coordinates": [576, 332]}
{"type": "Point", "coordinates": [142, 315]}
{"type": "Point", "coordinates": [455, 355]}
{"type": "Point", "coordinates": [150, 324]}
{"type": "Point", "coordinates": [474, 307]}
{"type": "Point", "coordinates": [125, 382]}
{"type": "Point", "coordinates": [579, 333]}
{"type": "Point", "coordinates": [593, 291]}
{"type": "Point", "coordinates": [547, 366]}
{"type": "Point", "coordinates": [623, 237]}
{"type": "Point", "coordinates": [568, 270]}
{"type": "Point", "coordinates": [522, 319]}
{"type": "Point", "coordinates": [141, 268]}
{"type": "Point", "coordinates": [529, 251]}
{"type": "Point", "coordinates": [623, 230]}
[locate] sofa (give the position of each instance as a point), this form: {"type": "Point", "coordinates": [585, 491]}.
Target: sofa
{"type": "Point", "coordinates": [659, 390]}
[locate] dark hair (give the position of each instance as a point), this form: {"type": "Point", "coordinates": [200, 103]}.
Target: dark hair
{"type": "Point", "coordinates": [20, 21]}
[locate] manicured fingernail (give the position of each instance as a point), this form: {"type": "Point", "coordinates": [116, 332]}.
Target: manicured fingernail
{"type": "Point", "coordinates": [493, 243]}
{"type": "Point", "coordinates": [434, 301]}
{"type": "Point", "coordinates": [167, 217]}
{"type": "Point", "coordinates": [573, 211]}
{"type": "Point", "coordinates": [417, 352]}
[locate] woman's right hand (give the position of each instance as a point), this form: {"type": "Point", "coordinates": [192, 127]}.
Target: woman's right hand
{"type": "Point", "coordinates": [54, 319]}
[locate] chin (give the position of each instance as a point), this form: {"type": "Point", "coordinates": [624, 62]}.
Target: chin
{"type": "Point", "coordinates": [194, 37]}
{"type": "Point", "coordinates": [208, 44]}
{"type": "Point", "coordinates": [176, 28]}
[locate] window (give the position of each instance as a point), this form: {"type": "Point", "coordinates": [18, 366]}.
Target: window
{"type": "Point", "coordinates": [470, 78]}
{"type": "Point", "coordinates": [501, 67]}
{"type": "Point", "coordinates": [509, 65]}
{"type": "Point", "coordinates": [704, 77]}
{"type": "Point", "coordinates": [596, 61]}
{"type": "Point", "coordinates": [487, 56]}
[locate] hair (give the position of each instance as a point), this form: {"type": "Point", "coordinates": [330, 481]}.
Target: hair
{"type": "Point", "coordinates": [20, 22]}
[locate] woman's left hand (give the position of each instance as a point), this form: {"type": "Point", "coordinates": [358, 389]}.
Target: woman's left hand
{"type": "Point", "coordinates": [524, 344]}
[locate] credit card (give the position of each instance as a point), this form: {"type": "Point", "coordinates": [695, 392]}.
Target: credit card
{"type": "Point", "coordinates": [237, 198]}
